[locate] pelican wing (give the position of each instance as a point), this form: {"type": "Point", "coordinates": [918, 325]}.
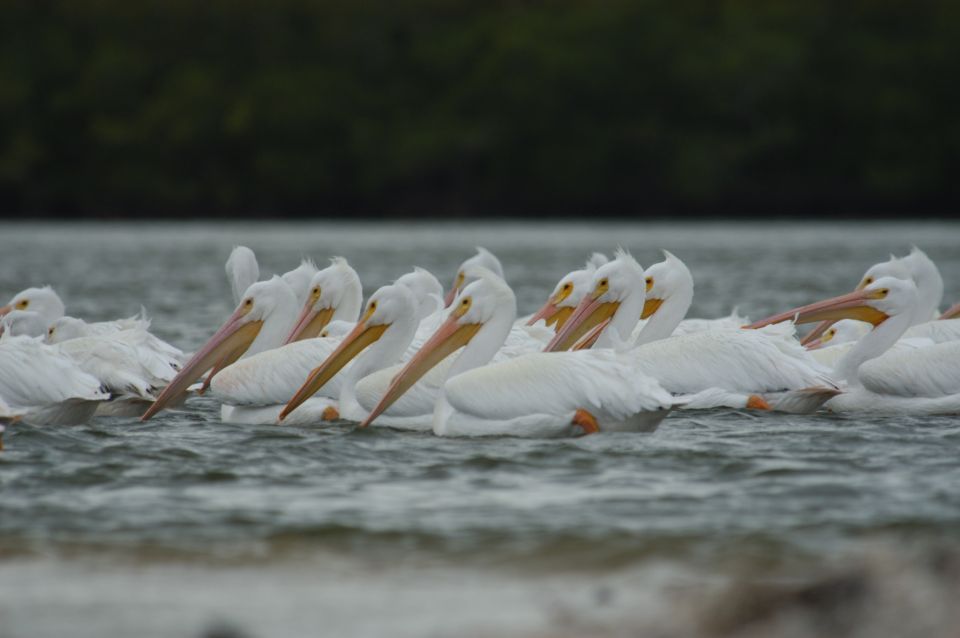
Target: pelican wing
{"type": "Point", "coordinates": [748, 361]}
{"type": "Point", "coordinates": [35, 375]}
{"type": "Point", "coordinates": [929, 372]}
{"type": "Point", "coordinates": [556, 383]}
{"type": "Point", "coordinates": [274, 376]}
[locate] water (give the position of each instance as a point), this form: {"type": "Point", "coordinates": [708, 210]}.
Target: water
{"type": "Point", "coordinates": [186, 526]}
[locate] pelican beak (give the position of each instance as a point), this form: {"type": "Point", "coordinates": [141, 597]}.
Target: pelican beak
{"type": "Point", "coordinates": [823, 326]}
{"type": "Point", "coordinates": [815, 334]}
{"type": "Point", "coordinates": [854, 305]}
{"type": "Point", "coordinates": [352, 345]}
{"type": "Point", "coordinates": [452, 294]}
{"type": "Point", "coordinates": [591, 337]}
{"type": "Point", "coordinates": [552, 315]}
{"type": "Point", "coordinates": [5, 310]}
{"type": "Point", "coordinates": [952, 313]}
{"type": "Point", "coordinates": [590, 313]}
{"type": "Point", "coordinates": [310, 323]}
{"type": "Point", "coordinates": [231, 340]}
{"type": "Point", "coordinates": [448, 338]}
{"type": "Point", "coordinates": [650, 306]}
{"type": "Point", "coordinates": [813, 344]}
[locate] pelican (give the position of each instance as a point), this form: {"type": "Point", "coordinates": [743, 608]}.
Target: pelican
{"type": "Point", "coordinates": [724, 367]}
{"type": "Point", "coordinates": [44, 387]}
{"type": "Point", "coordinates": [539, 394]}
{"type": "Point", "coordinates": [485, 259]}
{"type": "Point", "coordinates": [260, 322]}
{"type": "Point", "coordinates": [915, 266]}
{"type": "Point", "coordinates": [130, 364]}
{"type": "Point", "coordinates": [909, 381]}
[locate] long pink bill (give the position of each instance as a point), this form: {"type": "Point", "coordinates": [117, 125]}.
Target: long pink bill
{"type": "Point", "coordinates": [234, 336]}
{"type": "Point", "coordinates": [448, 338]}
{"type": "Point", "coordinates": [854, 305]}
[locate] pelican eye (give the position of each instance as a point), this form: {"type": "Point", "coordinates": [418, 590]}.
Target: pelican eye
{"type": "Point", "coordinates": [22, 304]}
{"type": "Point", "coordinates": [248, 302]}
{"type": "Point", "coordinates": [604, 282]}
{"type": "Point", "coordinates": [884, 292]}
{"type": "Point", "coordinates": [373, 305]}
{"type": "Point", "coordinates": [316, 291]}
{"type": "Point", "coordinates": [868, 281]}
{"type": "Point", "coordinates": [567, 286]}
{"type": "Point", "coordinates": [649, 283]}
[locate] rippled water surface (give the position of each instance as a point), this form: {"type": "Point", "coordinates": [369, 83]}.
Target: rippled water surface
{"type": "Point", "coordinates": [185, 525]}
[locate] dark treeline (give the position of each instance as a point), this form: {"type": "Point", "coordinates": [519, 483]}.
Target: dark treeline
{"type": "Point", "coordinates": [224, 107]}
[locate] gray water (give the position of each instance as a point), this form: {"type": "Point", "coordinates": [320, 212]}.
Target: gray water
{"type": "Point", "coordinates": [186, 526]}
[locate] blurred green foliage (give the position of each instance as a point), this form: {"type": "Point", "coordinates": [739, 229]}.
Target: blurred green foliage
{"type": "Point", "coordinates": [221, 107]}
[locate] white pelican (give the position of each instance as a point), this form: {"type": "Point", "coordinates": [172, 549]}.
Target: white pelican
{"type": "Point", "coordinates": [242, 271]}
{"type": "Point", "coordinates": [485, 259]}
{"type": "Point", "coordinates": [735, 368]}
{"type": "Point", "coordinates": [45, 387]}
{"type": "Point", "coordinates": [538, 394]}
{"type": "Point", "coordinates": [260, 322]}
{"type": "Point", "coordinates": [132, 364]}
{"type": "Point", "coordinates": [917, 267]}
{"type": "Point", "coordinates": [909, 381]}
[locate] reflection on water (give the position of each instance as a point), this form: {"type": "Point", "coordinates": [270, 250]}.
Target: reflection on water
{"type": "Point", "coordinates": [720, 523]}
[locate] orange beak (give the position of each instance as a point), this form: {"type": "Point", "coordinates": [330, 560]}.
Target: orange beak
{"type": "Point", "coordinates": [310, 323]}
{"type": "Point", "coordinates": [5, 310]}
{"type": "Point", "coordinates": [449, 337]}
{"type": "Point", "coordinates": [590, 313]}
{"type": "Point", "coordinates": [231, 340]}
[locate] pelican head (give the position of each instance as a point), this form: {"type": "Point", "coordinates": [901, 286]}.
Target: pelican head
{"type": "Point", "coordinates": [389, 305]}
{"type": "Point", "coordinates": [66, 328]}
{"type": "Point", "coordinates": [610, 287]}
{"type": "Point", "coordinates": [22, 323]}
{"type": "Point", "coordinates": [236, 336]}
{"type": "Point", "coordinates": [485, 302]}
{"type": "Point", "coordinates": [425, 288]}
{"type": "Point", "coordinates": [334, 293]}
{"type": "Point", "coordinates": [843, 331]}
{"type": "Point", "coordinates": [300, 278]}
{"type": "Point", "coordinates": [568, 292]}
{"type": "Point", "coordinates": [874, 303]}
{"type": "Point", "coordinates": [43, 301]}
{"type": "Point", "coordinates": [484, 259]}
{"type": "Point", "coordinates": [664, 281]}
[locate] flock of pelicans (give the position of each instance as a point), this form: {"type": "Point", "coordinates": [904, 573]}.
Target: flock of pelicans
{"type": "Point", "coordinates": [609, 350]}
